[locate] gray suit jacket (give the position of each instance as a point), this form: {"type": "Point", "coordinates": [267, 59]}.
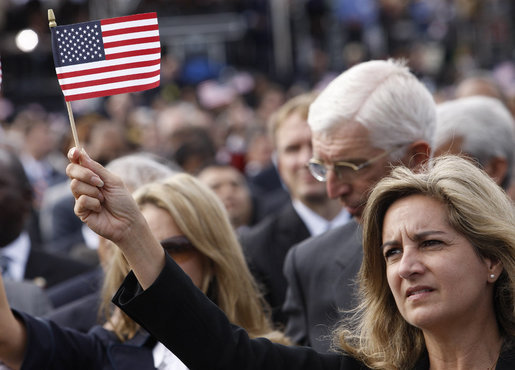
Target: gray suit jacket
{"type": "Point", "coordinates": [265, 246]}
{"type": "Point", "coordinates": [27, 297]}
{"type": "Point", "coordinates": [320, 272]}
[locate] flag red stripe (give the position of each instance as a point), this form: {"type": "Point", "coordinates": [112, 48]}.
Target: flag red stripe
{"type": "Point", "coordinates": [123, 31]}
{"type": "Point", "coordinates": [108, 80]}
{"type": "Point", "coordinates": [108, 69]}
{"type": "Point", "coordinates": [130, 42]}
{"type": "Point", "coordinates": [133, 53]}
{"type": "Point", "coordinates": [123, 90]}
{"type": "Point", "coordinates": [127, 18]}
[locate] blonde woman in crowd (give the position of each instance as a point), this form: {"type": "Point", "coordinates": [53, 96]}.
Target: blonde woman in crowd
{"type": "Point", "coordinates": [195, 231]}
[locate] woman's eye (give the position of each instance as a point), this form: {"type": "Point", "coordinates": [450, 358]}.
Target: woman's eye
{"type": "Point", "coordinates": [431, 242]}
{"type": "Point", "coordinates": [391, 252]}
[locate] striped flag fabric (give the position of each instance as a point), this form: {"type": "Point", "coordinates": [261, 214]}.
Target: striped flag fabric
{"type": "Point", "coordinates": [107, 57]}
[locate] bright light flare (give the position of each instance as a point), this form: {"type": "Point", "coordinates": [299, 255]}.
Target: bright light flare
{"type": "Point", "coordinates": [27, 40]}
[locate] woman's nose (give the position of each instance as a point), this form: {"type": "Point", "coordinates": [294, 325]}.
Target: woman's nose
{"type": "Point", "coordinates": [410, 263]}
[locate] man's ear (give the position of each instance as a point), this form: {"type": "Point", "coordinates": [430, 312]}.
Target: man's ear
{"type": "Point", "coordinates": [496, 168]}
{"type": "Point", "coordinates": [418, 153]}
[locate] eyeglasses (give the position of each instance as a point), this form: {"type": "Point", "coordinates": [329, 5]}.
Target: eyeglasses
{"type": "Point", "coordinates": [319, 169]}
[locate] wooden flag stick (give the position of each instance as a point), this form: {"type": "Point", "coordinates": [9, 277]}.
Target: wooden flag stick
{"type": "Point", "coordinates": [51, 24]}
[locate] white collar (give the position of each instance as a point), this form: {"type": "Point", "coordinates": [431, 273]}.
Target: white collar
{"type": "Point", "coordinates": [18, 252]}
{"type": "Point", "coordinates": [315, 223]}
{"type": "Point", "coordinates": [164, 359]}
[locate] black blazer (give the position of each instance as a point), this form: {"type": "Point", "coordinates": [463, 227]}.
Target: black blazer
{"type": "Point", "coordinates": [50, 268]}
{"type": "Point", "coordinates": [265, 246]}
{"type": "Point", "coordinates": [54, 348]}
{"type": "Point", "coordinates": [76, 287]}
{"type": "Point", "coordinates": [81, 314]}
{"type": "Point", "coordinates": [179, 315]}
{"type": "Point", "coordinates": [320, 272]}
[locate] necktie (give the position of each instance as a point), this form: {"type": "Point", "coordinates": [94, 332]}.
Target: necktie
{"type": "Point", "coordinates": [4, 265]}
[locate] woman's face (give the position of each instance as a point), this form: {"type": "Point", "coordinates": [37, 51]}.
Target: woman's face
{"type": "Point", "coordinates": [435, 275]}
{"type": "Point", "coordinates": [163, 226]}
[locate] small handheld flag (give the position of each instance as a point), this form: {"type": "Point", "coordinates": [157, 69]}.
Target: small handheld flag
{"type": "Point", "coordinates": [107, 57]}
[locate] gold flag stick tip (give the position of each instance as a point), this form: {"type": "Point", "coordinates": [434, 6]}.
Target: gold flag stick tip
{"type": "Point", "coordinates": [51, 18]}
{"type": "Point", "coordinates": [52, 23]}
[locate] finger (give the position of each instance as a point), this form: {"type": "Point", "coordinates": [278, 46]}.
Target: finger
{"type": "Point", "coordinates": [85, 175]}
{"type": "Point", "coordinates": [74, 155]}
{"type": "Point", "coordinates": [79, 188]}
{"type": "Point", "coordinates": [83, 158]}
{"type": "Point", "coordinates": [85, 205]}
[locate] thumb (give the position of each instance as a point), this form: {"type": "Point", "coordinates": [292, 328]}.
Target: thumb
{"type": "Point", "coordinates": [79, 156]}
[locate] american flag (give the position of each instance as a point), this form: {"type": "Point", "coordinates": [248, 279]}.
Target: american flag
{"type": "Point", "coordinates": [107, 57]}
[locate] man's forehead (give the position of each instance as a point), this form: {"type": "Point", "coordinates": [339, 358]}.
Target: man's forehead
{"type": "Point", "coordinates": [293, 123]}
{"type": "Point", "coordinates": [348, 141]}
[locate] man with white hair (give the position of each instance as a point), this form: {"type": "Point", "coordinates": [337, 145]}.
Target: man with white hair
{"type": "Point", "coordinates": [479, 127]}
{"type": "Point", "coordinates": [373, 116]}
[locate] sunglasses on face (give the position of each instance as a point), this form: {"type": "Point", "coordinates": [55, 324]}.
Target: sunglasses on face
{"type": "Point", "coordinates": [177, 244]}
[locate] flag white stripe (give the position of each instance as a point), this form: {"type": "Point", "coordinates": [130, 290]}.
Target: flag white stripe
{"type": "Point", "coordinates": [116, 85]}
{"type": "Point", "coordinates": [122, 49]}
{"type": "Point", "coordinates": [99, 76]}
{"type": "Point", "coordinates": [127, 36]}
{"type": "Point", "coordinates": [128, 24]}
{"type": "Point", "coordinates": [107, 63]}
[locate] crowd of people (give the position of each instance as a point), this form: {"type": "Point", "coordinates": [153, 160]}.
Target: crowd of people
{"type": "Point", "coordinates": [366, 224]}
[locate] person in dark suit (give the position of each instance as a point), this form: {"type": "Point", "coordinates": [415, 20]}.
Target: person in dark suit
{"type": "Point", "coordinates": [309, 211]}
{"type": "Point", "coordinates": [194, 229]}
{"type": "Point", "coordinates": [26, 260]}
{"type": "Point", "coordinates": [373, 116]}
{"type": "Point", "coordinates": [435, 287]}
{"type": "Point", "coordinates": [27, 297]}
{"type": "Point", "coordinates": [76, 301]}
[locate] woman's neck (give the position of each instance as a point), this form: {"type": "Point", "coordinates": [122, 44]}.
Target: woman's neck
{"type": "Point", "coordinates": [470, 347]}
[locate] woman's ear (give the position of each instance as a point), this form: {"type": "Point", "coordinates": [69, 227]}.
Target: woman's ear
{"type": "Point", "coordinates": [495, 268]}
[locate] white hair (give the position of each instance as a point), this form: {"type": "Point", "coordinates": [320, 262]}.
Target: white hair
{"type": "Point", "coordinates": [485, 125]}
{"type": "Point", "coordinates": [141, 168]}
{"type": "Point", "coordinates": [384, 97]}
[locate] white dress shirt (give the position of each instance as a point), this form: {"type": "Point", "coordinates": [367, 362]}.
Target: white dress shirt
{"type": "Point", "coordinates": [18, 254]}
{"type": "Point", "coordinates": [315, 223]}
{"type": "Point", "coordinates": [164, 359]}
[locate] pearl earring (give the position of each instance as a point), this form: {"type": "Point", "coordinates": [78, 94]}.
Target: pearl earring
{"type": "Point", "coordinates": [492, 276]}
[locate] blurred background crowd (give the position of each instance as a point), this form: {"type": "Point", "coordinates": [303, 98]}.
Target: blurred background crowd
{"type": "Point", "coordinates": [245, 48]}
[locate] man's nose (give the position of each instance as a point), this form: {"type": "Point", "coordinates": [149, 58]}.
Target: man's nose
{"type": "Point", "coordinates": [337, 187]}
